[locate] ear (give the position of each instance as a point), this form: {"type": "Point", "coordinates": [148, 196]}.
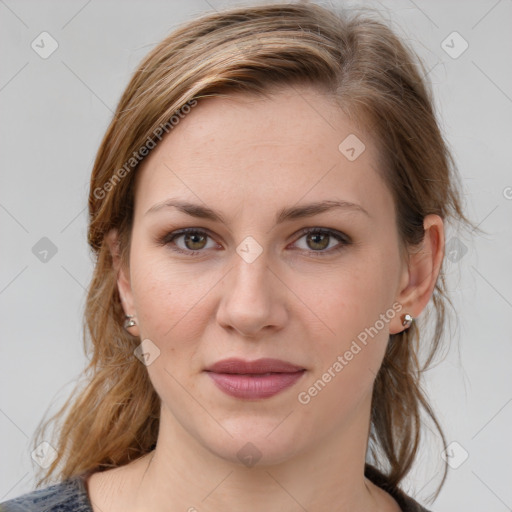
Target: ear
{"type": "Point", "coordinates": [420, 273]}
{"type": "Point", "coordinates": [123, 278]}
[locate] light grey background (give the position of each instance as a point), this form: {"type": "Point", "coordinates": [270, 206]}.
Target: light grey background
{"type": "Point", "coordinates": [54, 112]}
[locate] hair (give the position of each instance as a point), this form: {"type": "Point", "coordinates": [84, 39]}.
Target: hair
{"type": "Point", "coordinates": [379, 82]}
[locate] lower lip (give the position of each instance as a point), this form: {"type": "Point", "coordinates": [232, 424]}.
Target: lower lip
{"type": "Point", "coordinates": [254, 386]}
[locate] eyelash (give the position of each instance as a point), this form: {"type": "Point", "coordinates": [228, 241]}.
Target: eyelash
{"type": "Point", "coordinates": [344, 240]}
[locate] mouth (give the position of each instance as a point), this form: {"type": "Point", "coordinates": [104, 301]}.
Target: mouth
{"type": "Point", "coordinates": [258, 379]}
{"type": "Point", "coordinates": [257, 367]}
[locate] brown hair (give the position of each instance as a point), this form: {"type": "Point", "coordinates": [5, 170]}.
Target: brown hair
{"type": "Point", "coordinates": [378, 81]}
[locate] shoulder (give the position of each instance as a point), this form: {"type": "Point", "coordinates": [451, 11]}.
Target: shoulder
{"type": "Point", "coordinates": [406, 503]}
{"type": "Point", "coordinates": [67, 496]}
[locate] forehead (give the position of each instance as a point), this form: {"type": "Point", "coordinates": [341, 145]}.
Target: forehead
{"type": "Point", "coordinates": [263, 150]}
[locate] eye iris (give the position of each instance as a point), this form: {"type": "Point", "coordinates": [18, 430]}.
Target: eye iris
{"type": "Point", "coordinates": [321, 240]}
{"type": "Point", "coordinates": [195, 238]}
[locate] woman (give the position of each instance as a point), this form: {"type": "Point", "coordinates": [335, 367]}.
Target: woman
{"type": "Point", "coordinates": [268, 209]}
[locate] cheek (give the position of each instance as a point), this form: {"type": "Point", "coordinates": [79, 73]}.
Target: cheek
{"type": "Point", "coordinates": [354, 296]}
{"type": "Point", "coordinates": [171, 308]}
{"type": "Point", "coordinates": [170, 300]}
{"type": "Point", "coordinates": [356, 308]}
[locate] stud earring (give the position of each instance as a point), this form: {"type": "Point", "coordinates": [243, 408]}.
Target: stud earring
{"type": "Point", "coordinates": [407, 320]}
{"type": "Point", "coordinates": [129, 322]}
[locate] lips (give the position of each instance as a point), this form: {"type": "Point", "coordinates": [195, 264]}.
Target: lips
{"type": "Point", "coordinates": [258, 367]}
{"type": "Point", "coordinates": [262, 378]}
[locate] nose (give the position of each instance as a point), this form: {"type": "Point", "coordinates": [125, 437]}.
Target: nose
{"type": "Point", "coordinates": [253, 301]}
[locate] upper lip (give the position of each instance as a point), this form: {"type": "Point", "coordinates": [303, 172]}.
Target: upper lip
{"type": "Point", "coordinates": [259, 366]}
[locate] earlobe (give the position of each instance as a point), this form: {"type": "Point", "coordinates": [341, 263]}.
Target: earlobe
{"type": "Point", "coordinates": [123, 283]}
{"type": "Point", "coordinates": [422, 271]}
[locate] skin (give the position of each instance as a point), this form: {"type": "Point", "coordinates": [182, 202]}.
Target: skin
{"type": "Point", "coordinates": [248, 157]}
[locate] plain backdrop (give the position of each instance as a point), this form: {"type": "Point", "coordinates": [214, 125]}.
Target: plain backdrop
{"type": "Point", "coordinates": [54, 112]}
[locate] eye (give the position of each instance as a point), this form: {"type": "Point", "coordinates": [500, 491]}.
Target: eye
{"type": "Point", "coordinates": [317, 241]}
{"type": "Point", "coordinates": [189, 241]}
{"type": "Point", "coordinates": [321, 241]}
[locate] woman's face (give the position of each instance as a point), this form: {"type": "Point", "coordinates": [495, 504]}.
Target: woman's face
{"type": "Point", "coordinates": [249, 282]}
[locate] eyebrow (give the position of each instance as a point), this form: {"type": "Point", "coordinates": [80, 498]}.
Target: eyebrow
{"type": "Point", "coordinates": [285, 214]}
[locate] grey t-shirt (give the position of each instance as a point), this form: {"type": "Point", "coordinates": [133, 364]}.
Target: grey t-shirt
{"type": "Point", "coordinates": [71, 496]}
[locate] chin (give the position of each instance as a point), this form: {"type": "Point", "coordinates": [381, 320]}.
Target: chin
{"type": "Point", "coordinates": [256, 442]}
